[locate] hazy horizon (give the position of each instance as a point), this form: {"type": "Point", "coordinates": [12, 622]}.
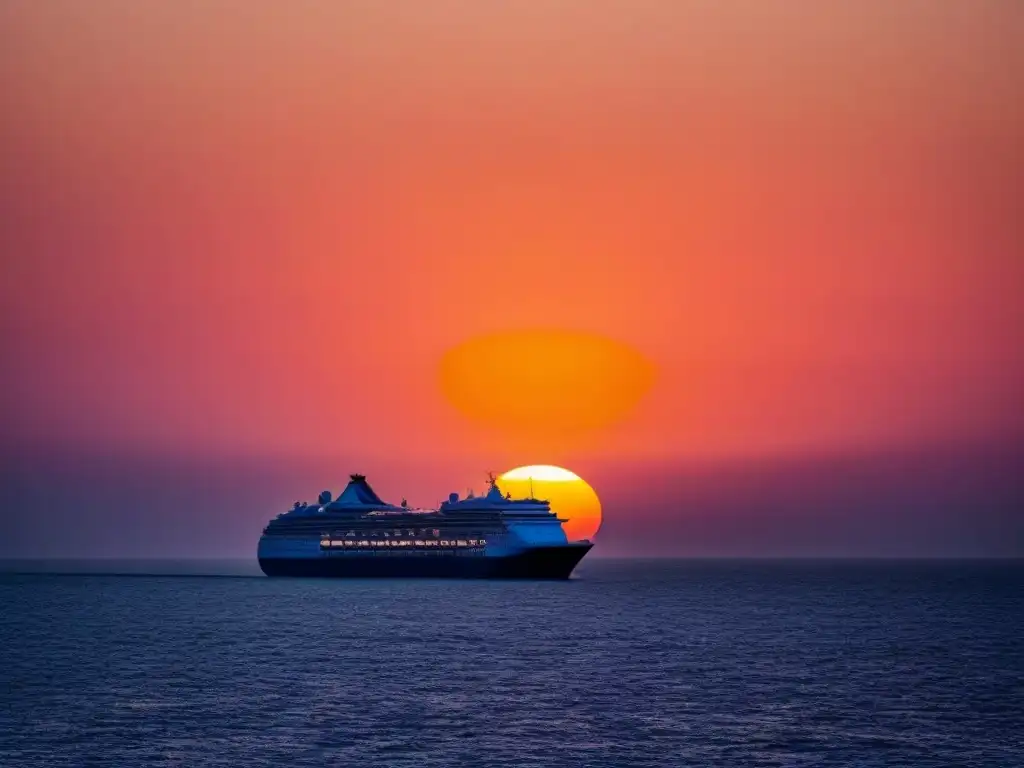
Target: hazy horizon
{"type": "Point", "coordinates": [928, 502]}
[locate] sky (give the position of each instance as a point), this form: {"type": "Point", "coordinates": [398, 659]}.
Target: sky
{"type": "Point", "coordinates": [239, 238]}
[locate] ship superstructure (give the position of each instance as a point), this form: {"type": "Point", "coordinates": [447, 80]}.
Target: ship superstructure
{"type": "Point", "coordinates": [358, 534]}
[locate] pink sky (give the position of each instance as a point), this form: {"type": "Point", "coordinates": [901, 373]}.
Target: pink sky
{"type": "Point", "coordinates": [253, 228]}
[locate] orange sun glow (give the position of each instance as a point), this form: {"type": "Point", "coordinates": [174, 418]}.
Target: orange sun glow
{"type": "Point", "coordinates": [545, 382]}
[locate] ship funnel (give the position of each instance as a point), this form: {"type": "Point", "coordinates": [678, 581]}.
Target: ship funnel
{"type": "Point", "coordinates": [453, 498]}
{"type": "Point", "coordinates": [325, 497]}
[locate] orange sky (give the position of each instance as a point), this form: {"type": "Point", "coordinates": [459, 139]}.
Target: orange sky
{"type": "Point", "coordinates": [255, 227]}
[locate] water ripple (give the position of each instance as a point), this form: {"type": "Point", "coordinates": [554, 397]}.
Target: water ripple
{"type": "Point", "coordinates": [639, 664]}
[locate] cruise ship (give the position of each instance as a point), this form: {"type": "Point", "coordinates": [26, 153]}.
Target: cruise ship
{"type": "Point", "coordinates": [360, 535]}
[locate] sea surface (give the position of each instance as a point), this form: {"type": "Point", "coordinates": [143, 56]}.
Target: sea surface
{"type": "Point", "coordinates": [630, 663]}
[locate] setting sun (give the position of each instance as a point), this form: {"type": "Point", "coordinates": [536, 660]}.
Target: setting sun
{"type": "Point", "coordinates": [571, 497]}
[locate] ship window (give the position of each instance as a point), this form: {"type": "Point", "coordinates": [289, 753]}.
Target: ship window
{"type": "Point", "coordinates": [472, 542]}
{"type": "Point", "coordinates": [418, 543]}
{"type": "Point", "coordinates": [444, 542]}
{"type": "Point", "coordinates": [461, 542]}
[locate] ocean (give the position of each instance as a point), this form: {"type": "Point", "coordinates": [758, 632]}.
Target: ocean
{"type": "Point", "coordinates": [630, 663]}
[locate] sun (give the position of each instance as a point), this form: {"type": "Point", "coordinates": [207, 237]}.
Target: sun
{"type": "Point", "coordinates": [571, 497]}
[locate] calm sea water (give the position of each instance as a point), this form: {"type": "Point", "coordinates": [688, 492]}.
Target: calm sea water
{"type": "Point", "coordinates": [644, 663]}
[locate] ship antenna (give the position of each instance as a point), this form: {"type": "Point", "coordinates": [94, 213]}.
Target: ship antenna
{"type": "Point", "coordinates": [531, 486]}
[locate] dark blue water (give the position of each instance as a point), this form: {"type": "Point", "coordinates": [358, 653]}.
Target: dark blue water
{"type": "Point", "coordinates": [632, 663]}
